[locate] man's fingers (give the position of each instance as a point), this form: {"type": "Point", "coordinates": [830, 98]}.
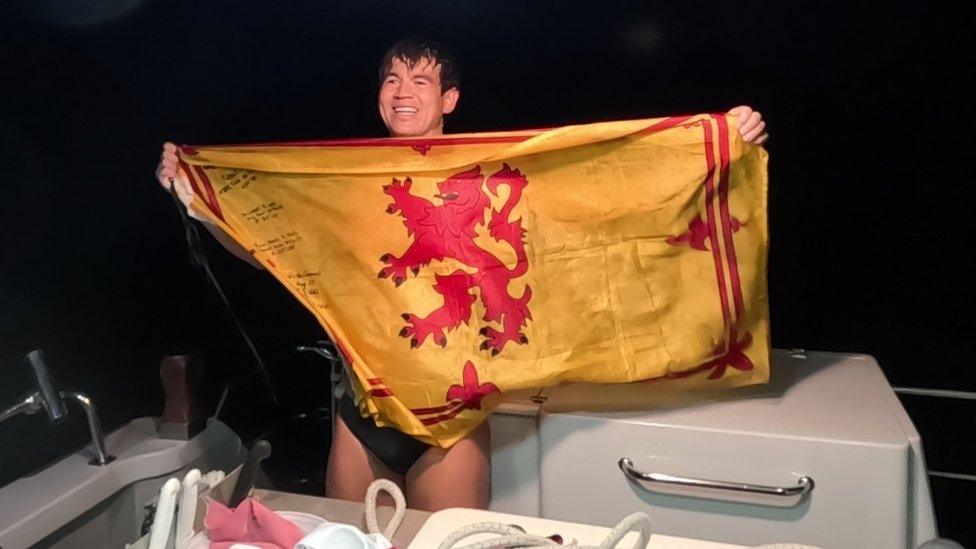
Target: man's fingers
{"type": "Point", "coordinates": [752, 135]}
{"type": "Point", "coordinates": [762, 139]}
{"type": "Point", "coordinates": [750, 123]}
{"type": "Point", "coordinates": [169, 155]}
{"type": "Point", "coordinates": [167, 171]}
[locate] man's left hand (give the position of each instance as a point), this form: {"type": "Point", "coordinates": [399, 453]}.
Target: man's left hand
{"type": "Point", "coordinates": [751, 125]}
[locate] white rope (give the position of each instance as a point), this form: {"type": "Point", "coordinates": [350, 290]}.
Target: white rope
{"type": "Point", "coordinates": [639, 521]}
{"type": "Point", "coordinates": [510, 535]}
{"type": "Point", "coordinates": [400, 507]}
{"type": "Point", "coordinates": [507, 535]}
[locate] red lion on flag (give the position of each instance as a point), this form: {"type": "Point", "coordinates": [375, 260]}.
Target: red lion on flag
{"type": "Point", "coordinates": [448, 231]}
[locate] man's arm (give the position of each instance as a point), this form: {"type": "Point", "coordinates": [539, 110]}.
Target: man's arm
{"type": "Point", "coordinates": [231, 245]}
{"type": "Point", "coordinates": [167, 173]}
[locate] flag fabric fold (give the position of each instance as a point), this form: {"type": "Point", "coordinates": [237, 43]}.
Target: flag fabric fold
{"type": "Point", "coordinates": [455, 269]}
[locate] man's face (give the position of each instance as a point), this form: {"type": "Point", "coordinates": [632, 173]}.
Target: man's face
{"type": "Point", "coordinates": [411, 102]}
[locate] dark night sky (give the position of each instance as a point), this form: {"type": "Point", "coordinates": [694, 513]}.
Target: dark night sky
{"type": "Point", "coordinates": [869, 110]}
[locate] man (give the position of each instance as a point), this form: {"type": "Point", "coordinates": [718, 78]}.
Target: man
{"type": "Point", "coordinates": [419, 84]}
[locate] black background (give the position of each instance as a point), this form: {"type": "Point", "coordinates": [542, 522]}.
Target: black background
{"type": "Point", "coordinates": [869, 107]}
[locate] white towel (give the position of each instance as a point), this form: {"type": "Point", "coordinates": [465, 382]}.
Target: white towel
{"type": "Point", "coordinates": [342, 536]}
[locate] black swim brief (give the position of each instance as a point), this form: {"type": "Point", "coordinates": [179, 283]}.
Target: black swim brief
{"type": "Point", "coordinates": [395, 449]}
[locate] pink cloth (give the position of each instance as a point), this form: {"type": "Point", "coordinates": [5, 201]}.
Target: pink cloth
{"type": "Point", "coordinates": [251, 523]}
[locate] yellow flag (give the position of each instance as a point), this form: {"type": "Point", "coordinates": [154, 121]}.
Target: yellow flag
{"type": "Point", "coordinates": [454, 269]}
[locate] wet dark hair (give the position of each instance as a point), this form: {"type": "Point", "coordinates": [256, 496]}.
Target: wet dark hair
{"type": "Point", "coordinates": [413, 50]}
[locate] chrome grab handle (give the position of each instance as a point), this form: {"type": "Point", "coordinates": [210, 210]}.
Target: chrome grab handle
{"type": "Point", "coordinates": [47, 398]}
{"type": "Point", "coordinates": [94, 426]}
{"type": "Point", "coordinates": [803, 486]}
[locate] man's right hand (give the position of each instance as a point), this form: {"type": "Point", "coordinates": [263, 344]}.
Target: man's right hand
{"type": "Point", "coordinates": [168, 172]}
{"type": "Point", "coordinates": [168, 168]}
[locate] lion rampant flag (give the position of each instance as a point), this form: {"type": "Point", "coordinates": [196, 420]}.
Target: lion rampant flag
{"type": "Point", "coordinates": [455, 269]}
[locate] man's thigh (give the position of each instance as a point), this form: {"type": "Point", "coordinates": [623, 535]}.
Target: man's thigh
{"type": "Point", "coordinates": [457, 477]}
{"type": "Point", "coordinates": [351, 467]}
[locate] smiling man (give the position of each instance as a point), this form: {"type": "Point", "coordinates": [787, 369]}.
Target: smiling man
{"type": "Point", "coordinates": [418, 85]}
